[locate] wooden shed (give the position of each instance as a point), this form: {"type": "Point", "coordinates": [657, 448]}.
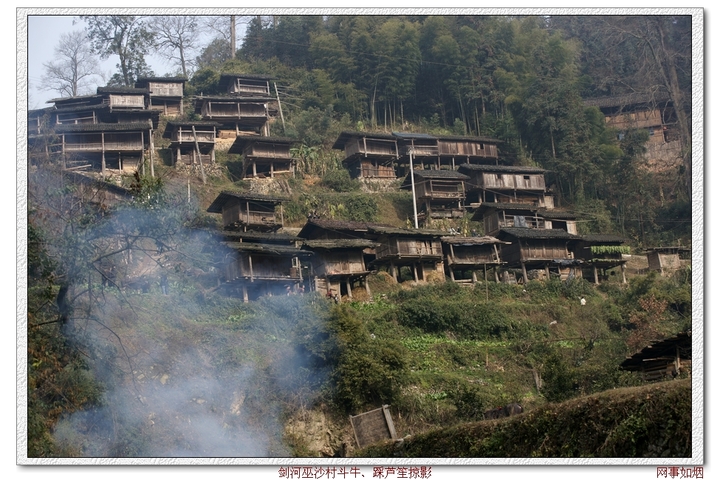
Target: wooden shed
{"type": "Point", "coordinates": [120, 98]}
{"type": "Point", "coordinates": [245, 84]}
{"type": "Point", "coordinates": [506, 184]}
{"type": "Point", "coordinates": [258, 264]}
{"type": "Point", "coordinates": [439, 193]}
{"type": "Point", "coordinates": [247, 211]}
{"type": "Point", "coordinates": [498, 215]}
{"type": "Point", "coordinates": [166, 93]}
{"type": "Point", "coordinates": [238, 115]}
{"type": "Point", "coordinates": [632, 111]}
{"type": "Point", "coordinates": [192, 142]}
{"type": "Point", "coordinates": [455, 150]}
{"type": "Point", "coordinates": [601, 253]}
{"type": "Point", "coordinates": [419, 250]}
{"type": "Point", "coordinates": [662, 359]}
{"type": "Point", "coordinates": [338, 265]}
{"type": "Point", "coordinates": [369, 155]}
{"type": "Point", "coordinates": [468, 255]}
{"type": "Point", "coordinates": [264, 156]}
{"type": "Point", "coordinates": [118, 146]}
{"type": "Point", "coordinates": [550, 250]}
{"type": "Point", "coordinates": [667, 260]}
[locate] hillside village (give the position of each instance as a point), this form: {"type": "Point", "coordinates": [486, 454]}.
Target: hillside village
{"type": "Point", "coordinates": [523, 235]}
{"type": "Point", "coordinates": [449, 270]}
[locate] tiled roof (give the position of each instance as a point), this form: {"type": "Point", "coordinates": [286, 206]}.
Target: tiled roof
{"type": "Point", "coordinates": [458, 240]}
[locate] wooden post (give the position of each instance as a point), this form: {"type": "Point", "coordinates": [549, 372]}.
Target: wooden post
{"type": "Point", "coordinates": [102, 143]}
{"type": "Point", "coordinates": [348, 285]}
{"type": "Point", "coordinates": [595, 275]}
{"type": "Point", "coordinates": [245, 294]}
{"type": "Point", "coordinates": [415, 271]}
{"type": "Point", "coordinates": [622, 270]}
{"type": "Point", "coordinates": [524, 270]}
{"type": "Point", "coordinates": [252, 279]}
{"type": "Point", "coordinates": [197, 149]}
{"type": "Point", "coordinates": [367, 286]}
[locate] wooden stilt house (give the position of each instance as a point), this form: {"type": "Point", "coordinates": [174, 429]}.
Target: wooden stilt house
{"type": "Point", "coordinates": [246, 211]}
{"type": "Point", "coordinates": [602, 253]}
{"type": "Point", "coordinates": [238, 115]}
{"type": "Point", "coordinates": [166, 93]}
{"type": "Point", "coordinates": [664, 359]}
{"type": "Point", "coordinates": [369, 155]}
{"type": "Point", "coordinates": [257, 264]}
{"type": "Point", "coordinates": [339, 265]}
{"type": "Point", "coordinates": [419, 250]}
{"type": "Point", "coordinates": [547, 250]}
{"type": "Point", "coordinates": [506, 184]}
{"type": "Point", "coordinates": [439, 193]}
{"type": "Point", "coordinates": [192, 142]}
{"type": "Point", "coordinates": [264, 156]}
{"type": "Point", "coordinates": [103, 146]}
{"type": "Point", "coordinates": [465, 257]}
{"type": "Point", "coordinates": [245, 84]}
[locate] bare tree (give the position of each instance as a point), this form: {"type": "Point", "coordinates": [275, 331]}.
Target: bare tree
{"type": "Point", "coordinates": [176, 38]}
{"type": "Point", "coordinates": [224, 29]}
{"type": "Point", "coordinates": [74, 68]}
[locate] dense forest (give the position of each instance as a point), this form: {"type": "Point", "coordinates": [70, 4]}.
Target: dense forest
{"type": "Point", "coordinates": [522, 80]}
{"type": "Point", "coordinates": [180, 368]}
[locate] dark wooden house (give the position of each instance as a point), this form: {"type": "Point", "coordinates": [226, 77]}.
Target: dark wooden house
{"type": "Point", "coordinates": [245, 84]}
{"type": "Point", "coordinates": [102, 146]}
{"type": "Point", "coordinates": [264, 156]}
{"type": "Point", "coordinates": [468, 255]}
{"type": "Point", "coordinates": [506, 184]}
{"type": "Point", "coordinates": [550, 250]}
{"type": "Point", "coordinates": [192, 142]}
{"type": "Point", "coordinates": [369, 155]}
{"type": "Point", "coordinates": [632, 111]}
{"type": "Point", "coordinates": [166, 93]}
{"type": "Point", "coordinates": [247, 211]}
{"type": "Point", "coordinates": [667, 260]}
{"type": "Point", "coordinates": [455, 150]}
{"type": "Point", "coordinates": [664, 359]}
{"type": "Point", "coordinates": [601, 253]}
{"type": "Point", "coordinates": [438, 193]}
{"type": "Point", "coordinates": [338, 265]}
{"type": "Point", "coordinates": [238, 115]}
{"type": "Point", "coordinates": [258, 264]}
{"type": "Point", "coordinates": [419, 250]}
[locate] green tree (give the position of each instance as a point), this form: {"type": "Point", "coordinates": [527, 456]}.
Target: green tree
{"type": "Point", "coordinates": [126, 36]}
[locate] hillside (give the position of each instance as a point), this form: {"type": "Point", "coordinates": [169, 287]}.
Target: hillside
{"type": "Point", "coordinates": [648, 421]}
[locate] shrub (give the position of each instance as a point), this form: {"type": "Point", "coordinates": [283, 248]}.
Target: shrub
{"type": "Point", "coordinates": [340, 181]}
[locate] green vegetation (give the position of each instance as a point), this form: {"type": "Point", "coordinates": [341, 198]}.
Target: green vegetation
{"type": "Point", "coordinates": [126, 320]}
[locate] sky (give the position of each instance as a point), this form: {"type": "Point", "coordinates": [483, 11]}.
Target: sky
{"type": "Point", "coordinates": [43, 35]}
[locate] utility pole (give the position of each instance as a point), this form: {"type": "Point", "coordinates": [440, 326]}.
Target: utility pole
{"type": "Point", "coordinates": [232, 37]}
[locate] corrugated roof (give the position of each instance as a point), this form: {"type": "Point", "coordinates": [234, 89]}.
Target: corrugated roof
{"type": "Point", "coordinates": [103, 127]}
{"type": "Point", "coordinates": [339, 244]}
{"type": "Point", "coordinates": [463, 138]}
{"type": "Point", "coordinates": [680, 344]}
{"type": "Point", "coordinates": [347, 135]}
{"type": "Point", "coordinates": [603, 238]}
{"type": "Point", "coordinates": [143, 80]}
{"type": "Point", "coordinates": [267, 248]}
{"type": "Point", "coordinates": [172, 126]}
{"type": "Point", "coordinates": [243, 141]}
{"type": "Point", "coordinates": [519, 232]}
{"type": "Point", "coordinates": [225, 196]}
{"type": "Point", "coordinates": [458, 240]}
{"type": "Point", "coordinates": [123, 90]}
{"type": "Point", "coordinates": [626, 100]}
{"type": "Point", "coordinates": [501, 168]}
